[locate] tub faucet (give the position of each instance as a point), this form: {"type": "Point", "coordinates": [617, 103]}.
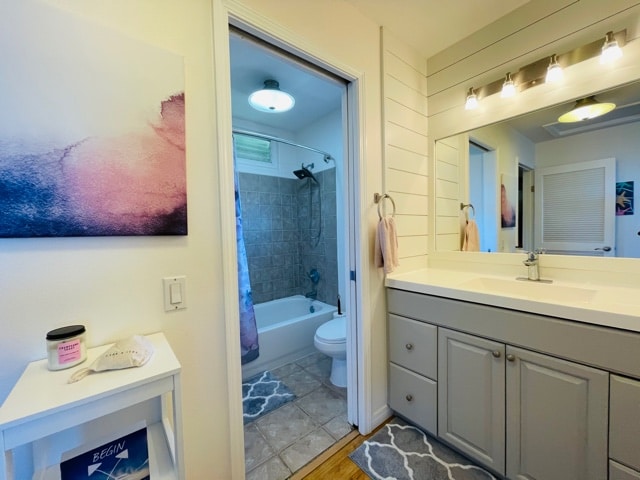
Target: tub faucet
{"type": "Point", "coordinates": [533, 272]}
{"type": "Point", "coordinates": [313, 294]}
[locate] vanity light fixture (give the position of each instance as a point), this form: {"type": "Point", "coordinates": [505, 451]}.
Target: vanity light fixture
{"type": "Point", "coordinates": [548, 69]}
{"type": "Point", "coordinates": [586, 109]}
{"type": "Point", "coordinates": [508, 87]}
{"type": "Point", "coordinates": [611, 51]}
{"type": "Point", "coordinates": [271, 99]}
{"type": "Point", "coordinates": [554, 70]}
{"type": "Point", "coordinates": [472, 100]}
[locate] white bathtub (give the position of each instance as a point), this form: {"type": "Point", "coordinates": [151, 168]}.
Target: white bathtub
{"type": "Point", "coordinates": [286, 329]}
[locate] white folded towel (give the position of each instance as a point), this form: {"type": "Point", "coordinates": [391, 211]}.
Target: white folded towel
{"type": "Point", "coordinates": [471, 237]}
{"type": "Point", "coordinates": [386, 245]}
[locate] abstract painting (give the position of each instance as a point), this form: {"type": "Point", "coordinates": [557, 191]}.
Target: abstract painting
{"type": "Point", "coordinates": [92, 129]}
{"type": "Point", "coordinates": [624, 198]}
{"type": "Point", "coordinates": [508, 192]}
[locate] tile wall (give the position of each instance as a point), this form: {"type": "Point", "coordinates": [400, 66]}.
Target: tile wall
{"type": "Point", "coordinates": [281, 236]}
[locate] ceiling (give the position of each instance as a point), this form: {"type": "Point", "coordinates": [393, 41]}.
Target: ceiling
{"type": "Point", "coordinates": [430, 26]}
{"type": "Point", "coordinates": [542, 125]}
{"type": "Point", "coordinates": [318, 93]}
{"type": "Point", "coordinates": [427, 25]}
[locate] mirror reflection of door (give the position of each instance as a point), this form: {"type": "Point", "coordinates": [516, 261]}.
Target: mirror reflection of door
{"type": "Point", "coordinates": [526, 208]}
{"type": "Point", "coordinates": [482, 193]}
{"type": "Point", "coordinates": [577, 211]}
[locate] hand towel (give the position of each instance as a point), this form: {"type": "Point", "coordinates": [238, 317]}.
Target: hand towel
{"type": "Point", "coordinates": [471, 237]}
{"type": "Point", "coordinates": [386, 245]}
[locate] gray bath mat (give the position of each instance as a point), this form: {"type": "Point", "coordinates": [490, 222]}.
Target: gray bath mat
{"type": "Point", "coordinates": [262, 394]}
{"type": "Point", "coordinates": [402, 452]}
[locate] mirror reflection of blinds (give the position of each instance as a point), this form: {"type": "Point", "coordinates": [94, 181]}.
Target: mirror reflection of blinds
{"type": "Point", "coordinates": [252, 148]}
{"type": "Point", "coordinates": [573, 206]}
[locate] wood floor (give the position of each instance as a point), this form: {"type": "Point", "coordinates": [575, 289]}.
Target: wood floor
{"type": "Point", "coordinates": [335, 462]}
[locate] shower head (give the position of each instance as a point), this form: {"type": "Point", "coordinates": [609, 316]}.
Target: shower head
{"type": "Point", "coordinates": [304, 172]}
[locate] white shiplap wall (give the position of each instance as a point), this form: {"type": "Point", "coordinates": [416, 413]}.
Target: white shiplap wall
{"type": "Point", "coordinates": [449, 157]}
{"type": "Point", "coordinates": [404, 87]}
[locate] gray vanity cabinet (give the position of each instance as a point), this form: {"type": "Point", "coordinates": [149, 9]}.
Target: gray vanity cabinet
{"type": "Point", "coordinates": [526, 395]}
{"type": "Point", "coordinates": [471, 397]}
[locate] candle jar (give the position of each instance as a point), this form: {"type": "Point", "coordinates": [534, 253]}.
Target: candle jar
{"type": "Point", "coordinates": [66, 347]}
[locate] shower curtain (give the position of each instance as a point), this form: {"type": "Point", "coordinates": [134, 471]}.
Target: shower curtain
{"type": "Point", "coordinates": [248, 330]}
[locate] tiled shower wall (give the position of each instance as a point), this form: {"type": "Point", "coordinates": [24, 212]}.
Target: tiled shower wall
{"type": "Point", "coordinates": [281, 235]}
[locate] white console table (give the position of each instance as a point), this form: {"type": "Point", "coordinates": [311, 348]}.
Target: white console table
{"type": "Point", "coordinates": [45, 416]}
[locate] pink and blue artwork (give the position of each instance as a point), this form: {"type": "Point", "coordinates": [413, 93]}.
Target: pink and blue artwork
{"type": "Point", "coordinates": [624, 198]}
{"type": "Point", "coordinates": [92, 129]}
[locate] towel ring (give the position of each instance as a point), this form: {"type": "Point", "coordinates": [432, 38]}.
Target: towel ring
{"type": "Point", "coordinates": [465, 205]}
{"type": "Point", "coordinates": [378, 199]}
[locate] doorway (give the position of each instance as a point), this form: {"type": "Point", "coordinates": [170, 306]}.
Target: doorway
{"type": "Point", "coordinates": [482, 187]}
{"type": "Point", "coordinates": [299, 244]}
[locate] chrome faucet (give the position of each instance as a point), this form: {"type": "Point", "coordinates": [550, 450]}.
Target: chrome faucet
{"type": "Point", "coordinates": [533, 272]}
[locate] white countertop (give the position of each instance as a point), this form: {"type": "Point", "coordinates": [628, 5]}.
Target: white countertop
{"type": "Point", "coordinates": [616, 307]}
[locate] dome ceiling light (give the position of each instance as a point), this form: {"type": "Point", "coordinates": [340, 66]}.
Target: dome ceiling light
{"type": "Point", "coordinates": [586, 109]}
{"type": "Point", "coordinates": [271, 99]}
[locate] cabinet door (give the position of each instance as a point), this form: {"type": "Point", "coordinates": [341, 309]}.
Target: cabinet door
{"type": "Point", "coordinates": [556, 418]}
{"type": "Point", "coordinates": [620, 472]}
{"type": "Point", "coordinates": [471, 389]}
{"type": "Point", "coordinates": [624, 421]}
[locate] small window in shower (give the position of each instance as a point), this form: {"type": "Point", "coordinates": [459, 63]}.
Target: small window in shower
{"type": "Point", "coordinates": [253, 149]}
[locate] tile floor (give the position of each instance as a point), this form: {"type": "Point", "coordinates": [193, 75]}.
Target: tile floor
{"type": "Point", "coordinates": [288, 438]}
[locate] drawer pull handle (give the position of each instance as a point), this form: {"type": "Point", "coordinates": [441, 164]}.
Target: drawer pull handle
{"type": "Point", "coordinates": [409, 346]}
{"type": "Point", "coordinates": [409, 397]}
{"type": "Point", "coordinates": [496, 353]}
{"type": "Point", "coordinates": [511, 358]}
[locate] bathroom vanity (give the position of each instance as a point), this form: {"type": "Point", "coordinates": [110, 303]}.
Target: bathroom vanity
{"type": "Point", "coordinates": [532, 381]}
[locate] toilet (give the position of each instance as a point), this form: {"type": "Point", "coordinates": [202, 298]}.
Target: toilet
{"type": "Point", "coordinates": [331, 339]}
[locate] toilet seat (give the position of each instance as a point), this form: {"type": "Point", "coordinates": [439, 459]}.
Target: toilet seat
{"type": "Point", "coordinates": [333, 331]}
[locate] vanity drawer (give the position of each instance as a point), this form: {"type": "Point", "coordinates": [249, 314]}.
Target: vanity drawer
{"type": "Point", "coordinates": [414, 345]}
{"type": "Point", "coordinates": [620, 472]}
{"type": "Point", "coordinates": [624, 421]}
{"type": "Point", "coordinates": [414, 397]}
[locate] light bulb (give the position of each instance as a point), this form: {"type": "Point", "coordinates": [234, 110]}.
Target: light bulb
{"type": "Point", "coordinates": [508, 87]}
{"type": "Point", "coordinates": [472, 100]}
{"type": "Point", "coordinates": [554, 70]}
{"type": "Point", "coordinates": [611, 51]}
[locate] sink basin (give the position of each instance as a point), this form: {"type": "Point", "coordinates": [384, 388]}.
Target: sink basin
{"type": "Point", "coordinates": [539, 291]}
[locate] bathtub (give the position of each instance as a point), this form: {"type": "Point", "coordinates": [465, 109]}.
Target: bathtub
{"type": "Point", "coordinates": [286, 329]}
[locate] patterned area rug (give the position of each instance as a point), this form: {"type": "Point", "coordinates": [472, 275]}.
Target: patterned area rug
{"type": "Point", "coordinates": [262, 394]}
{"type": "Point", "coordinates": [403, 452]}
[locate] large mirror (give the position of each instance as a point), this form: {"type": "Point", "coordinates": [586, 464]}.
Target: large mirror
{"type": "Point", "coordinates": [534, 182]}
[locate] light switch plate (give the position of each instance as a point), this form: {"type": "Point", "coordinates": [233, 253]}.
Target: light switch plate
{"type": "Point", "coordinates": [178, 285]}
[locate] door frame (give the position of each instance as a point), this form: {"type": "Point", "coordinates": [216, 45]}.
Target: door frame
{"type": "Point", "coordinates": [223, 14]}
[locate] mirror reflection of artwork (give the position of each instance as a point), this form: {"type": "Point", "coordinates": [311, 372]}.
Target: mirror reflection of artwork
{"type": "Point", "coordinates": [92, 130]}
{"type": "Point", "coordinates": [507, 195]}
{"type": "Point", "coordinates": [624, 198]}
